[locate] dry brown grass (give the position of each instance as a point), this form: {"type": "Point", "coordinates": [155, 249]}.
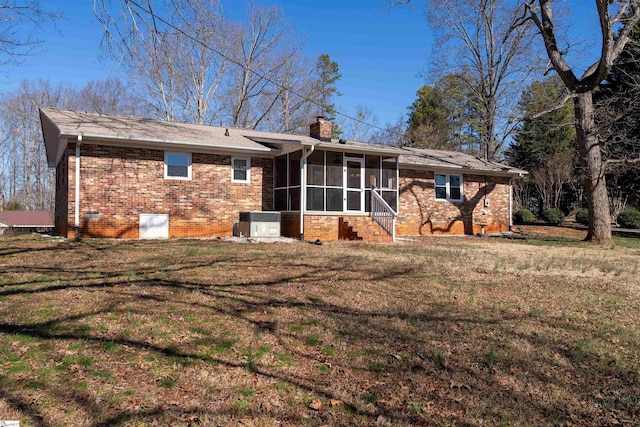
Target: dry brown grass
{"type": "Point", "coordinates": [435, 331]}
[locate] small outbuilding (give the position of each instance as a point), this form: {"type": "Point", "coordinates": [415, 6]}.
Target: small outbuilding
{"type": "Point", "coordinates": [23, 222]}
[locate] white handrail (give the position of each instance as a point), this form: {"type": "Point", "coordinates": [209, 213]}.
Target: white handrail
{"type": "Point", "coordinates": [383, 214]}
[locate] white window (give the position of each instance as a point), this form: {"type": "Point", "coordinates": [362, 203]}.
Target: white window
{"type": "Point", "coordinates": [177, 165]}
{"type": "Point", "coordinates": [448, 187]}
{"type": "Point", "coordinates": [241, 169]}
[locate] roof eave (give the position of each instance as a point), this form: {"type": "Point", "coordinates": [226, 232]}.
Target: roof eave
{"type": "Point", "coordinates": [331, 146]}
{"type": "Point", "coordinates": [51, 134]}
{"type": "Point", "coordinates": [163, 144]}
{"type": "Point", "coordinates": [463, 169]}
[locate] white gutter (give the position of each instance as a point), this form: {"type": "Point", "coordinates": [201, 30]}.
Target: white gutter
{"type": "Point", "coordinates": [77, 200]}
{"type": "Point", "coordinates": [303, 185]}
{"type": "Point", "coordinates": [154, 141]}
{"type": "Point", "coordinates": [462, 169]}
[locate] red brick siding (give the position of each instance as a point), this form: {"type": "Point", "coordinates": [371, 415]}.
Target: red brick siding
{"type": "Point", "coordinates": [323, 227]}
{"type": "Point", "coordinates": [420, 213]}
{"type": "Point", "coordinates": [332, 227]}
{"type": "Point", "coordinates": [120, 183]}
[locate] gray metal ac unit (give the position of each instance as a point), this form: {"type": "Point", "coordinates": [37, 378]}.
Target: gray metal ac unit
{"type": "Point", "coordinates": [259, 224]}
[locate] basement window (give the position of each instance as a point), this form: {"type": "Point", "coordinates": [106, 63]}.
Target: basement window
{"type": "Point", "coordinates": [448, 187]}
{"type": "Point", "coordinates": [177, 165]}
{"type": "Point", "coordinates": [241, 170]}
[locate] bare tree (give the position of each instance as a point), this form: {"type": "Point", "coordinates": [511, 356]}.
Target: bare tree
{"type": "Point", "coordinates": [391, 133]}
{"type": "Point", "coordinates": [262, 48]}
{"type": "Point", "coordinates": [29, 182]}
{"type": "Point", "coordinates": [291, 111]}
{"type": "Point", "coordinates": [361, 126]}
{"type": "Point", "coordinates": [109, 96]}
{"type": "Point", "coordinates": [174, 60]}
{"type": "Point", "coordinates": [621, 15]}
{"type": "Point", "coordinates": [191, 64]}
{"type": "Point", "coordinates": [489, 44]}
{"type": "Point", "coordinates": [19, 25]}
{"type": "Point", "coordinates": [24, 173]}
{"type": "Point", "coordinates": [551, 176]}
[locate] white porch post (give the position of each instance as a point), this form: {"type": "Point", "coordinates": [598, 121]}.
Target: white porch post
{"type": "Point", "coordinates": [303, 186]}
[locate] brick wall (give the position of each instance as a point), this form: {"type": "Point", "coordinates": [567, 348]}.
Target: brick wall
{"type": "Point", "coordinates": [316, 226]}
{"type": "Point", "coordinates": [118, 184]}
{"type": "Point", "coordinates": [323, 227]}
{"type": "Point", "coordinates": [420, 213]}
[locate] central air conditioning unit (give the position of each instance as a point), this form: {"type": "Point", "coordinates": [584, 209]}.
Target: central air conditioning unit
{"type": "Point", "coordinates": [259, 224]}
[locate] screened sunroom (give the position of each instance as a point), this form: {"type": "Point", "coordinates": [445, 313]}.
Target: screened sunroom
{"type": "Point", "coordinates": [334, 181]}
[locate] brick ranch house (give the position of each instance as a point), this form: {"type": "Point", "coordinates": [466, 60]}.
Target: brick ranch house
{"type": "Point", "coordinates": [133, 177]}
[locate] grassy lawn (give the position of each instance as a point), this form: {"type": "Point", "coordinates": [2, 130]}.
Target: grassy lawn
{"type": "Point", "coordinates": [435, 331]}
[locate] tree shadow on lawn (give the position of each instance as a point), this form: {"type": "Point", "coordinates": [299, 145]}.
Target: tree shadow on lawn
{"type": "Point", "coordinates": [428, 366]}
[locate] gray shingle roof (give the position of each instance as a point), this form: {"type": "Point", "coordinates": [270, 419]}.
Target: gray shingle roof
{"type": "Point", "coordinates": [58, 123]}
{"type": "Point", "coordinates": [441, 159]}
{"type": "Point", "coordinates": [130, 128]}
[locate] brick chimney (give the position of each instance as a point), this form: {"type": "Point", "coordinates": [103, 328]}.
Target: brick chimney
{"type": "Point", "coordinates": [321, 129]}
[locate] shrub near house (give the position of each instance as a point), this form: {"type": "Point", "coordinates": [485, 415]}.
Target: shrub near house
{"type": "Point", "coordinates": [582, 216]}
{"type": "Point", "coordinates": [629, 218]}
{"type": "Point", "coordinates": [553, 216]}
{"type": "Point", "coordinates": [524, 216]}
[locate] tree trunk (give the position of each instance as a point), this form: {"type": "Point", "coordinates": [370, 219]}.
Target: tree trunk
{"type": "Point", "coordinates": [592, 170]}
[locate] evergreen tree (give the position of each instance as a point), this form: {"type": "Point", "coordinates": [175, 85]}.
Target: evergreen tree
{"type": "Point", "coordinates": [444, 117]}
{"type": "Point", "coordinates": [328, 74]}
{"type": "Point", "coordinates": [545, 146]}
{"type": "Point", "coordinates": [428, 124]}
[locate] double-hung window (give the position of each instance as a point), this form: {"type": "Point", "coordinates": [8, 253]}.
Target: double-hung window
{"type": "Point", "coordinates": [177, 165]}
{"type": "Point", "coordinates": [241, 170]}
{"type": "Point", "coordinates": [448, 187]}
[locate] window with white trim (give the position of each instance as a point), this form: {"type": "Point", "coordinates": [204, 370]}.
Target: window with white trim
{"type": "Point", "coordinates": [448, 187]}
{"type": "Point", "coordinates": [177, 165]}
{"type": "Point", "coordinates": [241, 170]}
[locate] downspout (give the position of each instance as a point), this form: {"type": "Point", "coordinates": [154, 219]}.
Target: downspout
{"type": "Point", "coordinates": [510, 203]}
{"type": "Point", "coordinates": [303, 186]}
{"type": "Point", "coordinates": [394, 220]}
{"type": "Point", "coordinates": [77, 189]}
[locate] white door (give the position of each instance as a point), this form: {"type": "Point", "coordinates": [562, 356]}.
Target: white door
{"type": "Point", "coordinates": [154, 226]}
{"type": "Point", "coordinates": [354, 178]}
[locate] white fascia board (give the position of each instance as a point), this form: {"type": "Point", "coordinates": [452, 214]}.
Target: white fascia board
{"type": "Point", "coordinates": [345, 148]}
{"type": "Point", "coordinates": [461, 169]}
{"type": "Point", "coordinates": [159, 144]}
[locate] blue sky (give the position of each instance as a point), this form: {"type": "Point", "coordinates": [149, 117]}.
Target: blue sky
{"type": "Point", "coordinates": [381, 52]}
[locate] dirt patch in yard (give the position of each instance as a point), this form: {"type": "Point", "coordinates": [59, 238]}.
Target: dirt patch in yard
{"type": "Point", "coordinates": [432, 331]}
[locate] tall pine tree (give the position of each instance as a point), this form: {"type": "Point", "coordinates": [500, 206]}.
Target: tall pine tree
{"type": "Point", "coordinates": [328, 74]}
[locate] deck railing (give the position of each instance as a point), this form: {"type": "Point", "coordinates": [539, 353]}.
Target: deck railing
{"type": "Point", "coordinates": [382, 214]}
